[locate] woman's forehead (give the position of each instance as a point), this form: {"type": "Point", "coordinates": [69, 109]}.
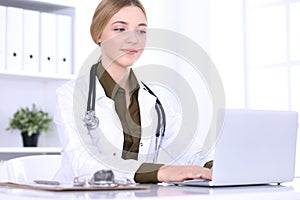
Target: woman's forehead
{"type": "Point", "coordinates": [130, 15]}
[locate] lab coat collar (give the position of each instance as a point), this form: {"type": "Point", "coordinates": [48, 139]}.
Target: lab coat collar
{"type": "Point", "coordinates": [100, 93]}
{"type": "Point", "coordinates": [145, 97]}
{"type": "Point", "coordinates": [146, 101]}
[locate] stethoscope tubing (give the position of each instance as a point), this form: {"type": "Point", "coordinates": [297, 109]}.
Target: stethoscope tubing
{"type": "Point", "coordinates": [92, 122]}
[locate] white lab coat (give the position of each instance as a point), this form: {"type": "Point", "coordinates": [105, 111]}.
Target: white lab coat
{"type": "Point", "coordinates": [85, 154]}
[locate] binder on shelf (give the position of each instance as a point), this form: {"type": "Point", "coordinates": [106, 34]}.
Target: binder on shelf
{"type": "Point", "coordinates": [48, 43]}
{"type": "Point", "coordinates": [2, 37]}
{"type": "Point", "coordinates": [31, 41]}
{"type": "Point", "coordinates": [64, 44]}
{"type": "Point", "coordinates": [14, 25]}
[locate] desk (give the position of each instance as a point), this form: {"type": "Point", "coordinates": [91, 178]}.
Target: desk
{"type": "Point", "coordinates": [288, 191]}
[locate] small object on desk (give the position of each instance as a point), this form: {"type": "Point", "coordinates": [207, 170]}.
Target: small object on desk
{"type": "Point", "coordinates": [103, 177]}
{"type": "Point", "coordinates": [46, 182]}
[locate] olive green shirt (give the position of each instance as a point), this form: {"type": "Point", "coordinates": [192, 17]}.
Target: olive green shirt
{"type": "Point", "coordinates": [130, 121]}
{"type": "Point", "coordinates": [129, 117]}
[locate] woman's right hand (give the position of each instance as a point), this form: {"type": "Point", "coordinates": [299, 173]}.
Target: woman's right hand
{"type": "Point", "coordinates": [178, 173]}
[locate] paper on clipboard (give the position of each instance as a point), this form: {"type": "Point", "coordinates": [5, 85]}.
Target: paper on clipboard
{"type": "Point", "coordinates": [70, 187]}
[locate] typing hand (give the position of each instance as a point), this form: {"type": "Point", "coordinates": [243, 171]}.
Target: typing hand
{"type": "Point", "coordinates": [169, 173]}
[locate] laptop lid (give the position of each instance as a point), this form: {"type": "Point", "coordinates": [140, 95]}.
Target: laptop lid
{"type": "Point", "coordinates": [254, 147]}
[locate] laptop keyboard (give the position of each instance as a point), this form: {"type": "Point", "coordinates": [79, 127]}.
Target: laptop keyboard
{"type": "Point", "coordinates": [197, 180]}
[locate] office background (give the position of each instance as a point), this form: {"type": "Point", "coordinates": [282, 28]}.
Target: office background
{"type": "Point", "coordinates": [254, 44]}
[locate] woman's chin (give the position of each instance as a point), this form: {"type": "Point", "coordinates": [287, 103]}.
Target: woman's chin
{"type": "Point", "coordinates": [127, 60]}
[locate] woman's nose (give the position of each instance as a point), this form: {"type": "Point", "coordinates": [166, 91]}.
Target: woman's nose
{"type": "Point", "coordinates": [132, 37]}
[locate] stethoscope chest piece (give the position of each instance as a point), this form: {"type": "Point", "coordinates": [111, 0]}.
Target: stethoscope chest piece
{"type": "Point", "coordinates": [90, 120]}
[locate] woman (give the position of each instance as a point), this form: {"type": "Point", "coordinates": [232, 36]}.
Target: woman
{"type": "Point", "coordinates": [124, 141]}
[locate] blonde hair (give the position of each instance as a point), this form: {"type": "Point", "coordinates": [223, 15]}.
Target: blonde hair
{"type": "Point", "coordinates": [104, 12]}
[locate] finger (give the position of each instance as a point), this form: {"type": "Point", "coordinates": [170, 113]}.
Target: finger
{"type": "Point", "coordinates": [205, 174]}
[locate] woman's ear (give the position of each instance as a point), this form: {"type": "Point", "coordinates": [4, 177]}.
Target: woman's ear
{"type": "Point", "coordinates": [99, 42]}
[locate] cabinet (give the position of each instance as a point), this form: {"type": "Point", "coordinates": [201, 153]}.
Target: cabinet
{"type": "Point", "coordinates": [31, 66]}
{"type": "Point", "coordinates": [37, 39]}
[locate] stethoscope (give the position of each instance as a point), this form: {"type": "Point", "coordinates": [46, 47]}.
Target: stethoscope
{"type": "Point", "coordinates": [92, 122]}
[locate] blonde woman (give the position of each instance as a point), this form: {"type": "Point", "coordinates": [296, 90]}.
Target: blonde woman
{"type": "Point", "coordinates": [125, 140]}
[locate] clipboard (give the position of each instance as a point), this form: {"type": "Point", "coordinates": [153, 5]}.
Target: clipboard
{"type": "Point", "coordinates": [70, 187]}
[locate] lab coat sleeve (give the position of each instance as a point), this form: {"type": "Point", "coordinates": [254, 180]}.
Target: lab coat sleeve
{"type": "Point", "coordinates": [80, 158]}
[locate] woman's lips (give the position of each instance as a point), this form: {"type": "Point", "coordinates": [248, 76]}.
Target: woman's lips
{"type": "Point", "coordinates": [130, 51]}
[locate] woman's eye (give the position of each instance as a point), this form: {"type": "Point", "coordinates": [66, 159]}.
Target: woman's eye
{"type": "Point", "coordinates": [119, 29]}
{"type": "Point", "coordinates": [141, 31]}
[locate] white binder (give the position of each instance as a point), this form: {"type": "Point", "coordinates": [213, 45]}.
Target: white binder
{"type": "Point", "coordinates": [31, 41]}
{"type": "Point", "coordinates": [14, 53]}
{"type": "Point", "coordinates": [64, 44]}
{"type": "Point", "coordinates": [2, 37]}
{"type": "Point", "coordinates": [48, 43]}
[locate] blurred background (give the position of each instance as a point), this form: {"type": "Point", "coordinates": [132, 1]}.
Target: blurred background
{"type": "Point", "coordinates": [255, 45]}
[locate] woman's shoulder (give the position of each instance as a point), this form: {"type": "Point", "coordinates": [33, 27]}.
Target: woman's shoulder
{"type": "Point", "coordinates": [73, 85]}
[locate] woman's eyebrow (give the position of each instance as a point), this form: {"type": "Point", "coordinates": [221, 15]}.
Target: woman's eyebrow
{"type": "Point", "coordinates": [142, 24]}
{"type": "Point", "coordinates": [126, 23]}
{"type": "Point", "coordinates": [120, 22]}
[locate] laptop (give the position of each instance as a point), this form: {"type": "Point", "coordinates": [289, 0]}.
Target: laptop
{"type": "Point", "coordinates": [254, 147]}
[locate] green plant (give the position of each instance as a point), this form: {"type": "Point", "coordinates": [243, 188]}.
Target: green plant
{"type": "Point", "coordinates": [31, 121]}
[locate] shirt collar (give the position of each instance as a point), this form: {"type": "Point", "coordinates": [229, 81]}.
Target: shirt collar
{"type": "Point", "coordinates": [111, 88]}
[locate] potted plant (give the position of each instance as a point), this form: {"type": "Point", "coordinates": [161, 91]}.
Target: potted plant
{"type": "Point", "coordinates": [31, 122]}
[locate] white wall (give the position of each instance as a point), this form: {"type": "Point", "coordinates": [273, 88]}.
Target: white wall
{"type": "Point", "coordinates": [216, 26]}
{"type": "Point", "coordinates": [84, 44]}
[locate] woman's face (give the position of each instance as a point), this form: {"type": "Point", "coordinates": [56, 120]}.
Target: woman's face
{"type": "Point", "coordinates": [124, 37]}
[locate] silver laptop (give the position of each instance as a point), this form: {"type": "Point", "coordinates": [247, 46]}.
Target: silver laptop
{"type": "Point", "coordinates": [254, 147]}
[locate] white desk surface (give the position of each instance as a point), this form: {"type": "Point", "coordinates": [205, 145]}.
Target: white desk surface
{"type": "Point", "coordinates": [288, 191]}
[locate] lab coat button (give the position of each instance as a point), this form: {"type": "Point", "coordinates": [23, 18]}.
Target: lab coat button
{"type": "Point", "coordinates": [114, 154]}
{"type": "Point", "coordinates": [141, 144]}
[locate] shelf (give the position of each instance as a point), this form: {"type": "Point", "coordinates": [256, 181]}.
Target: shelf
{"type": "Point", "coordinates": [55, 8]}
{"type": "Point", "coordinates": [30, 150]}
{"type": "Point", "coordinates": [26, 75]}
{"type": "Point", "coordinates": [26, 82]}
{"type": "Point", "coordinates": [7, 153]}
{"type": "Point", "coordinates": [63, 7]}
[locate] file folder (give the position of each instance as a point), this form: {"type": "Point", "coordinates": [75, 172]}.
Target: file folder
{"type": "Point", "coordinates": [64, 44]}
{"type": "Point", "coordinates": [14, 25]}
{"type": "Point", "coordinates": [2, 37]}
{"type": "Point", "coordinates": [31, 41]}
{"type": "Point", "coordinates": [48, 43]}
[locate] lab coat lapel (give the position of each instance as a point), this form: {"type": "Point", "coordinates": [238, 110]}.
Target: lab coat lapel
{"type": "Point", "coordinates": [110, 126]}
{"type": "Point", "coordinates": [148, 123]}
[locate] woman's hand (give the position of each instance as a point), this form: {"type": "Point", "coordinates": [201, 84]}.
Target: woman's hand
{"type": "Point", "coordinates": [170, 173]}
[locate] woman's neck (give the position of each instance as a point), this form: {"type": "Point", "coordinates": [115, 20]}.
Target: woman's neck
{"type": "Point", "coordinates": [119, 74]}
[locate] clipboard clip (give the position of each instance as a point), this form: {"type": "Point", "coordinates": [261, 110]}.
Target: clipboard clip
{"type": "Point", "coordinates": [101, 178]}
